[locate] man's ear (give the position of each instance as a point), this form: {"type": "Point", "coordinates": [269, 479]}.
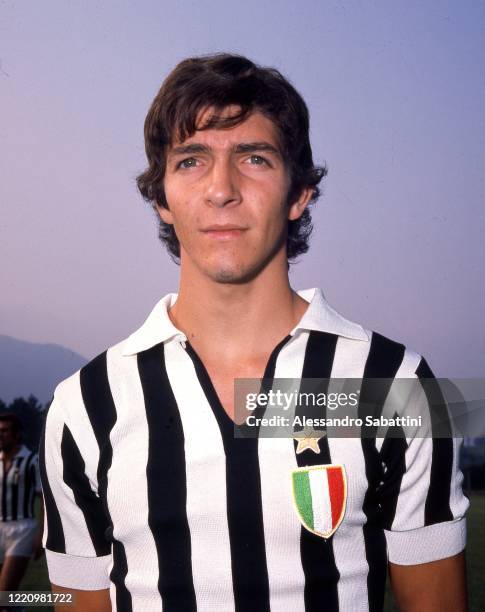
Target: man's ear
{"type": "Point", "coordinates": [165, 214]}
{"type": "Point", "coordinates": [297, 208]}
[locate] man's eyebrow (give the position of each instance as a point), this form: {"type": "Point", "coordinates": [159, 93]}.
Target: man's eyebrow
{"type": "Point", "coordinates": [242, 147]}
{"type": "Point", "coordinates": [189, 148]}
{"type": "Point", "coordinates": [248, 147]}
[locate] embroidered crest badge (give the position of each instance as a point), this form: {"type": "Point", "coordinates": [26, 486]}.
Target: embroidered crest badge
{"type": "Point", "coordinates": [320, 497]}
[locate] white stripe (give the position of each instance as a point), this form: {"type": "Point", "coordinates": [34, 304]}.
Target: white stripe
{"type": "Point", "coordinates": [129, 439]}
{"type": "Point", "coordinates": [348, 540]}
{"type": "Point", "coordinates": [458, 502]}
{"type": "Point", "coordinates": [282, 529]}
{"type": "Point", "coordinates": [322, 509]}
{"type": "Point", "coordinates": [206, 499]}
{"type": "Point", "coordinates": [76, 535]}
{"type": "Point", "coordinates": [80, 427]}
{"type": "Point", "coordinates": [416, 479]}
{"type": "Point", "coordinates": [400, 392]}
{"type": "Point", "coordinates": [24, 493]}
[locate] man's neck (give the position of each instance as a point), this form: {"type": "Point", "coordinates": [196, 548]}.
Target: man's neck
{"type": "Point", "coordinates": [236, 321]}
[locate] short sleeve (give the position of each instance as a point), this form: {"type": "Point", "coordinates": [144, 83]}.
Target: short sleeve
{"type": "Point", "coordinates": [77, 525]}
{"type": "Point", "coordinates": [421, 498]}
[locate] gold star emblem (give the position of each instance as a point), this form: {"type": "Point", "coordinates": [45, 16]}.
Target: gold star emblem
{"type": "Point", "coordinates": [309, 439]}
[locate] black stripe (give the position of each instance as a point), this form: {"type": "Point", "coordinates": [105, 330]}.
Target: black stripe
{"type": "Point", "coordinates": [393, 455]}
{"type": "Point", "coordinates": [14, 498]}
{"type": "Point", "coordinates": [89, 503]}
{"type": "Point", "coordinates": [385, 357]}
{"type": "Point", "coordinates": [101, 412]}
{"type": "Point", "coordinates": [29, 483]}
{"type": "Point", "coordinates": [317, 555]}
{"type": "Point", "coordinates": [437, 507]}
{"type": "Point", "coordinates": [244, 501]}
{"type": "Point", "coordinates": [118, 575]}
{"type": "Point", "coordinates": [271, 365]}
{"type": "Point", "coordinates": [167, 484]}
{"type": "Point", "coordinates": [32, 498]}
{"type": "Point", "coordinates": [55, 534]}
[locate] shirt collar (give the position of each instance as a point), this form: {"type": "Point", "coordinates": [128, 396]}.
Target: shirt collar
{"type": "Point", "coordinates": [319, 316]}
{"type": "Point", "coordinates": [157, 328]}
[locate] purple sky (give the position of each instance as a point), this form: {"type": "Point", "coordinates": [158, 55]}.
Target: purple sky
{"type": "Point", "coordinates": [396, 93]}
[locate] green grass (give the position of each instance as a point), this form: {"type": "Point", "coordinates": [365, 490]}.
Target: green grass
{"type": "Point", "coordinates": [476, 553]}
{"type": "Point", "coordinates": [36, 578]}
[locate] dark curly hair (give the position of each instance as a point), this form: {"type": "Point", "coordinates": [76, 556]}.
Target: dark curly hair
{"type": "Point", "coordinates": [217, 81]}
{"type": "Point", "coordinates": [13, 420]}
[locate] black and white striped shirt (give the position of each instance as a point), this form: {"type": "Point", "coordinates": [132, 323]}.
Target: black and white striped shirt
{"type": "Point", "coordinates": [148, 492]}
{"type": "Point", "coordinates": [19, 485]}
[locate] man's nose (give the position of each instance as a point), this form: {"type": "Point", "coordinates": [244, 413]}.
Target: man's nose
{"type": "Point", "coordinates": [223, 186]}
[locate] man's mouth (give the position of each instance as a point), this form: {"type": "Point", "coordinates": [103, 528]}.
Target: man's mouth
{"type": "Point", "coordinates": [224, 232]}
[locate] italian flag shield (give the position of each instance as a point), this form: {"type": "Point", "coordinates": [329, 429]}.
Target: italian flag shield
{"type": "Point", "coordinates": [320, 496]}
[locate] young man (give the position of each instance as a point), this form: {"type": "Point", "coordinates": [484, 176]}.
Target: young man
{"type": "Point", "coordinates": [152, 503]}
{"type": "Point", "coordinates": [20, 533]}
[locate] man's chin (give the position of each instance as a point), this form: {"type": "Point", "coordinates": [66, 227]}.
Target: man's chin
{"type": "Point", "coordinates": [232, 276]}
{"type": "Point", "coordinates": [235, 272]}
{"type": "Point", "coordinates": [228, 277]}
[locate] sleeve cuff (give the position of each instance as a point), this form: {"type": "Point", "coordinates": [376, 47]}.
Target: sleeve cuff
{"type": "Point", "coordinates": [84, 573]}
{"type": "Point", "coordinates": [426, 544]}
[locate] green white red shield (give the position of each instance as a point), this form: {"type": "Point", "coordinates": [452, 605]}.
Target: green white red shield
{"type": "Point", "coordinates": [320, 496]}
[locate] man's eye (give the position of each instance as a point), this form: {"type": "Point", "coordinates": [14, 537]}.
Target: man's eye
{"type": "Point", "coordinates": [257, 160]}
{"type": "Point", "coordinates": [190, 162]}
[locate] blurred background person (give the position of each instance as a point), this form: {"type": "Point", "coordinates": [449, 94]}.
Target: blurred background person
{"type": "Point", "coordinates": [20, 531]}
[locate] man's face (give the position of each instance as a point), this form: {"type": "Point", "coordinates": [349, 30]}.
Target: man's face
{"type": "Point", "coordinates": [8, 439]}
{"type": "Point", "coordinates": [226, 191]}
